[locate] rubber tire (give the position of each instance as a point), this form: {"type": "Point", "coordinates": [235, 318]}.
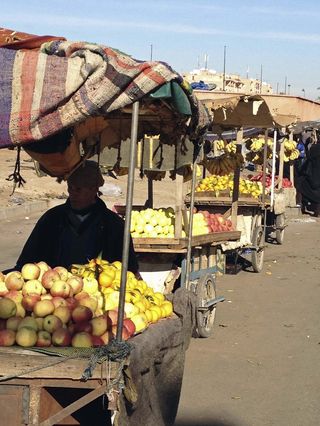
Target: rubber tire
{"type": "Point", "coordinates": [280, 222]}
{"type": "Point", "coordinates": [257, 256]}
{"type": "Point", "coordinates": [206, 290]}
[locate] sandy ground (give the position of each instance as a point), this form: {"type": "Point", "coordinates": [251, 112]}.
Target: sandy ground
{"type": "Point", "coordinates": [261, 365]}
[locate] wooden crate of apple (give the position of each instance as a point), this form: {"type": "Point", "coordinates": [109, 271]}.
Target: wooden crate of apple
{"type": "Point", "coordinates": [42, 306]}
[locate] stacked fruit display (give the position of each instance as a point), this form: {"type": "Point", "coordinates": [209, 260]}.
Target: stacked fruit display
{"type": "Point", "coordinates": [255, 147]}
{"type": "Point", "coordinates": [205, 222]}
{"type": "Point", "coordinates": [224, 185]}
{"type": "Point", "coordinates": [42, 306]}
{"type": "Point", "coordinates": [286, 183]}
{"type": "Point", "coordinates": [153, 223]}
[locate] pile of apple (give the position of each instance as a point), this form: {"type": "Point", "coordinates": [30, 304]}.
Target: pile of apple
{"type": "Point", "coordinates": [286, 183]}
{"type": "Point", "coordinates": [153, 223]}
{"type": "Point", "coordinates": [224, 184]}
{"type": "Point", "coordinates": [205, 222]}
{"type": "Point", "coordinates": [42, 306]}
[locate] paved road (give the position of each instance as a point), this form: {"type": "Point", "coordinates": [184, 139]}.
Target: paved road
{"type": "Point", "coordinates": [262, 365]}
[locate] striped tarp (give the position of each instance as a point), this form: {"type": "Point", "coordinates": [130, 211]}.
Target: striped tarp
{"type": "Point", "coordinates": [45, 90]}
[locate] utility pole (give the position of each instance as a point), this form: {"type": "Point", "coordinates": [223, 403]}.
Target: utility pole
{"type": "Point", "coordinates": [151, 51]}
{"type": "Point", "coordinates": [277, 88]}
{"type": "Point", "coordinates": [224, 68]}
{"type": "Point", "coordinates": [303, 93]}
{"type": "Point", "coordinates": [261, 79]}
{"type": "Point", "coordinates": [289, 85]}
{"type": "Point", "coordinates": [285, 85]}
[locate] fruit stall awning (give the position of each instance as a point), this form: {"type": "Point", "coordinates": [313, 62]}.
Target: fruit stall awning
{"type": "Point", "coordinates": [50, 86]}
{"type": "Point", "coordinates": [262, 111]}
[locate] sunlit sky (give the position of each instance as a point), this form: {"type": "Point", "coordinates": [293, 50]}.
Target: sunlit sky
{"type": "Point", "coordinates": [281, 37]}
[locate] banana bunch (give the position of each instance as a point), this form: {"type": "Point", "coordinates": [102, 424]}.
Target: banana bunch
{"type": "Point", "coordinates": [231, 147]}
{"type": "Point", "coordinates": [257, 144]}
{"type": "Point", "coordinates": [220, 144]}
{"type": "Point", "coordinates": [291, 152]}
{"type": "Point", "coordinates": [92, 269]}
{"type": "Point", "coordinates": [224, 164]}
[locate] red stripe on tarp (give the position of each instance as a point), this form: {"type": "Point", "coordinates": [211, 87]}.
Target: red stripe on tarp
{"type": "Point", "coordinates": [28, 78]}
{"type": "Point", "coordinates": [53, 95]}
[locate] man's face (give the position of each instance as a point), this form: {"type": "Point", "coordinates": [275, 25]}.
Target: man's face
{"type": "Point", "coordinates": [81, 197]}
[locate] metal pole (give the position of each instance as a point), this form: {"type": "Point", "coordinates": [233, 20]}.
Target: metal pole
{"type": "Point", "coordinates": [273, 170]}
{"type": "Point", "coordinates": [151, 51]}
{"type": "Point", "coordinates": [264, 167]}
{"type": "Point", "coordinates": [126, 235]}
{"type": "Point", "coordinates": [193, 187]}
{"type": "Point", "coordinates": [224, 67]}
{"type": "Point", "coordinates": [261, 79]}
{"type": "Point", "coordinates": [285, 85]}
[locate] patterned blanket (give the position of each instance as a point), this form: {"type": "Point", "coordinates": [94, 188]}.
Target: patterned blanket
{"type": "Point", "coordinates": [60, 84]}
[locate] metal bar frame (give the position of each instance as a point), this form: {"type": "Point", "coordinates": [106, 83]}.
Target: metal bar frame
{"type": "Point", "coordinates": [126, 235]}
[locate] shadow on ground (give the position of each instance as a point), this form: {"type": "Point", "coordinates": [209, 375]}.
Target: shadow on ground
{"type": "Point", "coordinates": [211, 422]}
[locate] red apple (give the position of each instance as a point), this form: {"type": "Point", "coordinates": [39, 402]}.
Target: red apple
{"type": "Point", "coordinates": [7, 337]}
{"type": "Point", "coordinates": [46, 296]}
{"type": "Point", "coordinates": [29, 301]}
{"type": "Point", "coordinates": [97, 341]}
{"type": "Point", "coordinates": [76, 283]}
{"type": "Point", "coordinates": [112, 316]}
{"type": "Point", "coordinates": [91, 302]}
{"type": "Point", "coordinates": [8, 308]}
{"type": "Point", "coordinates": [43, 339]}
{"type": "Point", "coordinates": [81, 313]}
{"type": "Point", "coordinates": [71, 303]}
{"type": "Point", "coordinates": [13, 323]}
{"type": "Point", "coordinates": [64, 313]}
{"type": "Point", "coordinates": [81, 295]}
{"type": "Point", "coordinates": [42, 308]}
{"type": "Point", "coordinates": [28, 322]}
{"type": "Point", "coordinates": [59, 301]}
{"type": "Point", "coordinates": [82, 326]}
{"type": "Point", "coordinates": [49, 277]}
{"type": "Point", "coordinates": [60, 288]}
{"type": "Point", "coordinates": [51, 323]}
{"type": "Point", "coordinates": [82, 340]}
{"type": "Point", "coordinates": [99, 325]}
{"type": "Point", "coordinates": [33, 287]}
{"type": "Point", "coordinates": [125, 332]}
{"type": "Point", "coordinates": [3, 289]}
{"type": "Point", "coordinates": [61, 337]}
{"type": "Point", "coordinates": [15, 295]}
{"type": "Point", "coordinates": [63, 272]}
{"type": "Point", "coordinates": [30, 271]}
{"type": "Point", "coordinates": [14, 280]}
{"type": "Point", "coordinates": [130, 326]}
{"type": "Point", "coordinates": [44, 267]}
{"type": "Point", "coordinates": [107, 337]}
{"type": "Point", "coordinates": [26, 337]}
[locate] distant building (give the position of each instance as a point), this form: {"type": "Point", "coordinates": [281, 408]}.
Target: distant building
{"type": "Point", "coordinates": [229, 83]}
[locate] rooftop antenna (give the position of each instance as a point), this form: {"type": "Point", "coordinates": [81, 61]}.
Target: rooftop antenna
{"type": "Point", "coordinates": [205, 61]}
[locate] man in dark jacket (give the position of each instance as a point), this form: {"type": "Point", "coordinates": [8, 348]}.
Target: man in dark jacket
{"type": "Point", "coordinates": [80, 229]}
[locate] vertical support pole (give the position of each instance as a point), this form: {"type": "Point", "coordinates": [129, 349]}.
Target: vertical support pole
{"type": "Point", "coordinates": [149, 202]}
{"type": "Point", "coordinates": [236, 181]}
{"type": "Point", "coordinates": [126, 236]}
{"type": "Point", "coordinates": [264, 167]}
{"type": "Point", "coordinates": [281, 162]}
{"type": "Point", "coordinates": [178, 207]}
{"type": "Point", "coordinates": [291, 165]}
{"type": "Point", "coordinates": [273, 170]}
{"type": "Point", "coordinates": [193, 190]}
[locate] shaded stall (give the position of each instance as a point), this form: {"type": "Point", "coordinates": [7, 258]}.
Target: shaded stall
{"type": "Point", "coordinates": [64, 102]}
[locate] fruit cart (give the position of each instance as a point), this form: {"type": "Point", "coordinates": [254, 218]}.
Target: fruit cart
{"type": "Point", "coordinates": [89, 116]}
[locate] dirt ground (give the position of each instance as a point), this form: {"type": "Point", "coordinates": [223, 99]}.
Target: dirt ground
{"type": "Point", "coordinates": [261, 365]}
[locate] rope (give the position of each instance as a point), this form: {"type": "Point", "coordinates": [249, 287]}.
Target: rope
{"type": "Point", "coordinates": [16, 176]}
{"type": "Point", "coordinates": [114, 351]}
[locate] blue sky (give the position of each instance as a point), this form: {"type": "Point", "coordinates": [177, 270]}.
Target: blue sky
{"type": "Point", "coordinates": [282, 36]}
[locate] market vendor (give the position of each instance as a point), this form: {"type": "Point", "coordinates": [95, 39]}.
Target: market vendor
{"type": "Point", "coordinates": [80, 229]}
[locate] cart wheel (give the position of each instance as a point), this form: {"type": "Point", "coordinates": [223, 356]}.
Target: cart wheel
{"type": "Point", "coordinates": [257, 255]}
{"type": "Point", "coordinates": [206, 290]}
{"type": "Point", "coordinates": [280, 223]}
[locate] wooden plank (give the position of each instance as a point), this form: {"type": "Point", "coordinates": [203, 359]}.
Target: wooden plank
{"type": "Point", "coordinates": [14, 362]}
{"type": "Point", "coordinates": [34, 404]}
{"type": "Point", "coordinates": [49, 405]}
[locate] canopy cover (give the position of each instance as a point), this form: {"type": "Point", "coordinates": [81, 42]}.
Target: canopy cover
{"type": "Point", "coordinates": [58, 84]}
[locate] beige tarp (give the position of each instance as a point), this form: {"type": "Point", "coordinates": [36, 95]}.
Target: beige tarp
{"type": "Point", "coordinates": [231, 110]}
